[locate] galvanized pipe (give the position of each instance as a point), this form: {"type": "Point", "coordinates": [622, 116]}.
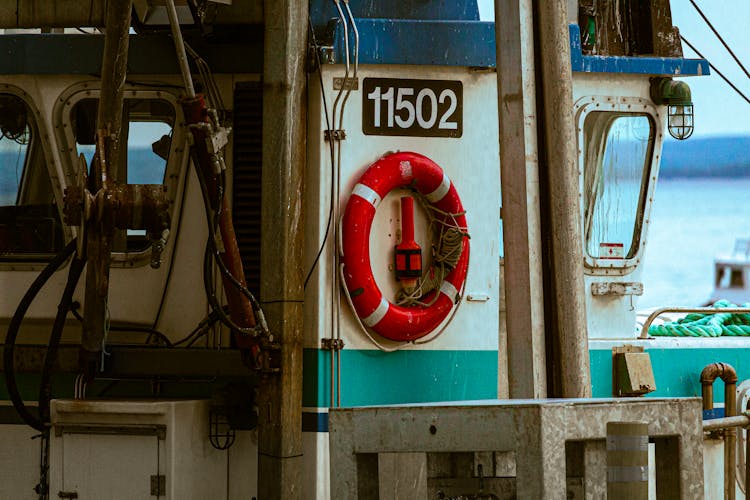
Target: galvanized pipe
{"type": "Point", "coordinates": [179, 46]}
{"type": "Point", "coordinates": [717, 424]}
{"type": "Point", "coordinates": [728, 374]}
{"type": "Point", "coordinates": [565, 216]}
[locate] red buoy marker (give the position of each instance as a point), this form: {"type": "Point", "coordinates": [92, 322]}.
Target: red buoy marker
{"type": "Point", "coordinates": [408, 252]}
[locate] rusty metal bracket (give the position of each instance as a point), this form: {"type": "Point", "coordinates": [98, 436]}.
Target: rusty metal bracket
{"type": "Point", "coordinates": [332, 344]}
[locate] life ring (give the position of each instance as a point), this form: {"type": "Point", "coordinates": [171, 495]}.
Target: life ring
{"type": "Point", "coordinates": [393, 171]}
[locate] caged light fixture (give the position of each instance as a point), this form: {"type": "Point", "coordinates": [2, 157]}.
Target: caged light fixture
{"type": "Point", "coordinates": [676, 96]}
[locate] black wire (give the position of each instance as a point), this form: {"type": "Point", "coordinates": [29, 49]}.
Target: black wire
{"type": "Point", "coordinates": [45, 386]}
{"type": "Point", "coordinates": [211, 246]}
{"type": "Point", "coordinates": [13, 328]}
{"type": "Point", "coordinates": [734, 87]}
{"type": "Point", "coordinates": [720, 38]}
{"type": "Point", "coordinates": [333, 160]}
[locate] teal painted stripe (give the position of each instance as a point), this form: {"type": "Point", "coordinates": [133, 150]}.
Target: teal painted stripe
{"type": "Point", "coordinates": [376, 378]}
{"type": "Point", "coordinates": [676, 371]}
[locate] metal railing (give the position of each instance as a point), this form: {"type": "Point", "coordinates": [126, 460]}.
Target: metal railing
{"type": "Point", "coordinates": [703, 310]}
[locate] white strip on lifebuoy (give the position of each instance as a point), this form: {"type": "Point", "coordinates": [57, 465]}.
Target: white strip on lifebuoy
{"type": "Point", "coordinates": [378, 314]}
{"type": "Point", "coordinates": [440, 191]}
{"type": "Point", "coordinates": [449, 290]}
{"type": "Point", "coordinates": [368, 194]}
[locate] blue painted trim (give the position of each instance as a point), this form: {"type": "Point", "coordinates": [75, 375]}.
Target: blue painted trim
{"type": "Point", "coordinates": [314, 421]}
{"type": "Point", "coordinates": [465, 10]}
{"type": "Point", "coordinates": [432, 43]}
{"type": "Point", "coordinates": [377, 378]}
{"type": "Point", "coordinates": [713, 413]}
{"type": "Point", "coordinates": [665, 66]}
{"type": "Point", "coordinates": [472, 43]}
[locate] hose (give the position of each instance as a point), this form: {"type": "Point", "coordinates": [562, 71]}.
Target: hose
{"type": "Point", "coordinates": [45, 386]}
{"type": "Point", "coordinates": [13, 328]}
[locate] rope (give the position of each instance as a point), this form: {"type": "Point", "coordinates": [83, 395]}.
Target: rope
{"type": "Point", "coordinates": [706, 325]}
{"type": "Point", "coordinates": [445, 255]}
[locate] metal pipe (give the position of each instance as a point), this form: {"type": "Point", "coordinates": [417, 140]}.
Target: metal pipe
{"type": "Point", "coordinates": [179, 46]}
{"type": "Point", "coordinates": [717, 424]}
{"type": "Point", "coordinates": [562, 170]}
{"type": "Point", "coordinates": [704, 310]}
{"type": "Point", "coordinates": [728, 374]}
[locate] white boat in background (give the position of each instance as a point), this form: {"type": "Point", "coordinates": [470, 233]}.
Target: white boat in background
{"type": "Point", "coordinates": [732, 274]}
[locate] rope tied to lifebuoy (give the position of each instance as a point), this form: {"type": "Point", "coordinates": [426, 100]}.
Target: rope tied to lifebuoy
{"type": "Point", "coordinates": [435, 300]}
{"type": "Point", "coordinates": [445, 254]}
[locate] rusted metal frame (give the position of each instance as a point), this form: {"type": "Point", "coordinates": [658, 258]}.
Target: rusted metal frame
{"type": "Point", "coordinates": [104, 167]}
{"type": "Point", "coordinates": [703, 310]}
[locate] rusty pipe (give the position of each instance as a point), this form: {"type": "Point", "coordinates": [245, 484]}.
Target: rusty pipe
{"type": "Point", "coordinates": [728, 374]}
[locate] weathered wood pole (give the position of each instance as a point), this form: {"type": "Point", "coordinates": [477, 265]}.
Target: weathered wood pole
{"type": "Point", "coordinates": [565, 217]}
{"type": "Point", "coordinates": [282, 246]}
{"type": "Point", "coordinates": [519, 169]}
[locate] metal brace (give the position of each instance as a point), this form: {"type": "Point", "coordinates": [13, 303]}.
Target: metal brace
{"type": "Point", "coordinates": [332, 344]}
{"type": "Point", "coordinates": [334, 135]}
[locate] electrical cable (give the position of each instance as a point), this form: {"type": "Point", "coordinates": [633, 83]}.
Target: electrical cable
{"type": "Point", "coordinates": [45, 386]}
{"type": "Point", "coordinates": [736, 59]}
{"type": "Point", "coordinates": [13, 328]}
{"type": "Point", "coordinates": [734, 87]}
{"type": "Point", "coordinates": [316, 48]}
{"type": "Point", "coordinates": [211, 250]}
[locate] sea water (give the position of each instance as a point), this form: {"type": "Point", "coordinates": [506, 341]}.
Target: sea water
{"type": "Point", "coordinates": [693, 220]}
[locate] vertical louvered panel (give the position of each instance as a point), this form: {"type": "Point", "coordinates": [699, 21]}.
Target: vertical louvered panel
{"type": "Point", "coordinates": [247, 159]}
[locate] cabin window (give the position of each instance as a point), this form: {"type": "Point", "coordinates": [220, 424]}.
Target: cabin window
{"type": "Point", "coordinates": [617, 156]}
{"type": "Point", "coordinates": [30, 227]}
{"type": "Point", "coordinates": [730, 277]}
{"type": "Point", "coordinates": [147, 130]}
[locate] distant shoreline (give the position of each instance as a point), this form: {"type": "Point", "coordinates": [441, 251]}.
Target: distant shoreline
{"type": "Point", "coordinates": [706, 157]}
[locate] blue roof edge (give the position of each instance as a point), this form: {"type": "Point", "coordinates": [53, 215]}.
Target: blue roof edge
{"type": "Point", "coordinates": [472, 43]}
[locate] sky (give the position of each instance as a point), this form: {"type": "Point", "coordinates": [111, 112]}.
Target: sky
{"type": "Point", "coordinates": [718, 109]}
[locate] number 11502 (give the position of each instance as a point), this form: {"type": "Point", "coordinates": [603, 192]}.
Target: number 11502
{"type": "Point", "coordinates": [408, 107]}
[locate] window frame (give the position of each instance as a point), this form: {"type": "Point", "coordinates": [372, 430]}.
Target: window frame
{"type": "Point", "coordinates": [39, 145]}
{"type": "Point", "coordinates": [175, 165]}
{"type": "Point", "coordinates": [622, 105]}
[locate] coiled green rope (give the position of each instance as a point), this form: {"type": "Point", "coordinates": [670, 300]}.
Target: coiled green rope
{"type": "Point", "coordinates": [706, 325]}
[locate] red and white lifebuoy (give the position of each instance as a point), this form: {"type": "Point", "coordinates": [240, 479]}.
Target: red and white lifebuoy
{"type": "Point", "coordinates": [375, 311]}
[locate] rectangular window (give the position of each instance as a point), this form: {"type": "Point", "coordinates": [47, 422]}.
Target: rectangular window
{"type": "Point", "coordinates": [30, 227]}
{"type": "Point", "coordinates": [617, 157]}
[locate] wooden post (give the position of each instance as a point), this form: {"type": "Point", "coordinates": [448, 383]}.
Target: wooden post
{"type": "Point", "coordinates": [282, 245]}
{"type": "Point", "coordinates": [100, 231]}
{"type": "Point", "coordinates": [519, 170]}
{"type": "Point", "coordinates": [564, 206]}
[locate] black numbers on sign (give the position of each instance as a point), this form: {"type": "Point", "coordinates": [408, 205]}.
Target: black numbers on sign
{"type": "Point", "coordinates": [428, 108]}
